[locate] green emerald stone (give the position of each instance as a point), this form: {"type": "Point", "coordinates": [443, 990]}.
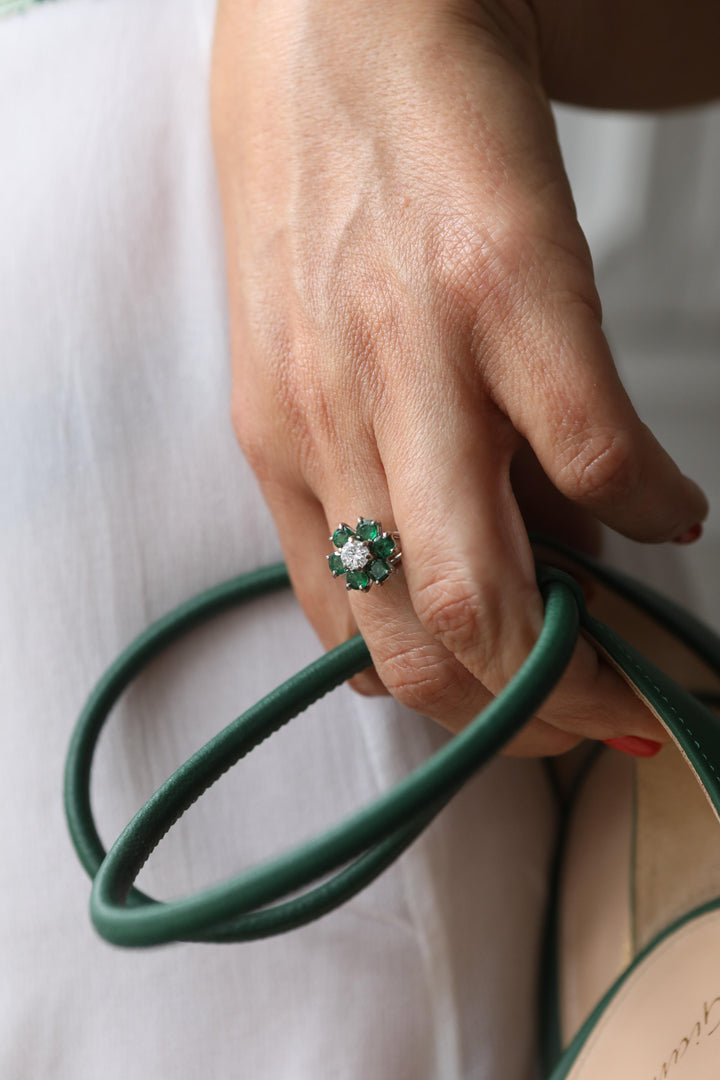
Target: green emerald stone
{"type": "Point", "coordinates": [357, 579]}
{"type": "Point", "coordinates": [378, 570]}
{"type": "Point", "coordinates": [341, 536]}
{"type": "Point", "coordinates": [367, 529]}
{"type": "Point", "coordinates": [383, 546]}
{"type": "Point", "coordinates": [336, 564]}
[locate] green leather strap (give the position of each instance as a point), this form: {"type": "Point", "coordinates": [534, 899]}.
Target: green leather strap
{"type": "Point", "coordinates": [693, 725]}
{"type": "Point", "coordinates": [359, 848]}
{"type": "Point", "coordinates": [373, 837]}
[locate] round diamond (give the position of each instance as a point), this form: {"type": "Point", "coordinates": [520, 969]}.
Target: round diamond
{"type": "Point", "coordinates": [354, 555]}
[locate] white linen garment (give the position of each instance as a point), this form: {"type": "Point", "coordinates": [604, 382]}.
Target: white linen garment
{"type": "Point", "coordinates": [122, 492]}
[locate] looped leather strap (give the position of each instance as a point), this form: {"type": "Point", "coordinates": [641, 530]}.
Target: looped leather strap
{"type": "Point", "coordinates": [359, 848]}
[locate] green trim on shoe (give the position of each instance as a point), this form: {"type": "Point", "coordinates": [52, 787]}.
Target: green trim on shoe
{"type": "Point", "coordinates": [693, 726]}
{"type": "Point", "coordinates": [569, 1057]}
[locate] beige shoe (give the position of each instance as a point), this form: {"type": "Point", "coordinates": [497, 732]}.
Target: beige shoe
{"type": "Point", "coordinates": [632, 976]}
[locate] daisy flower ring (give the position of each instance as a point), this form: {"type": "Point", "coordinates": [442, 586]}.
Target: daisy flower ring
{"type": "Point", "coordinates": [365, 555]}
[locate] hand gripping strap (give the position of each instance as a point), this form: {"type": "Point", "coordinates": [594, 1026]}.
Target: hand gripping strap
{"type": "Point", "coordinates": [373, 837]}
{"type": "Point", "coordinates": [369, 841]}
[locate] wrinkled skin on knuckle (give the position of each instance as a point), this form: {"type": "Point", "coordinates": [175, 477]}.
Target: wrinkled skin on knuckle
{"type": "Point", "coordinates": [523, 254]}
{"type": "Point", "coordinates": [307, 386]}
{"type": "Point", "coordinates": [476, 267]}
{"type": "Point", "coordinates": [280, 412]}
{"type": "Point", "coordinates": [489, 295]}
{"type": "Point", "coordinates": [599, 465]}
{"type": "Point", "coordinates": [456, 614]}
{"type": "Point", "coordinates": [264, 451]}
{"type": "Point", "coordinates": [254, 436]}
{"type": "Point", "coordinates": [551, 283]}
{"type": "Point", "coordinates": [421, 680]}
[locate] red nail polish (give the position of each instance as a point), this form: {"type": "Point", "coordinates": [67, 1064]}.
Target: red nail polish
{"type": "Point", "coordinates": [633, 744]}
{"type": "Point", "coordinates": [693, 533]}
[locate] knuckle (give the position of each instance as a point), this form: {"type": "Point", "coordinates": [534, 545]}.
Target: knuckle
{"type": "Point", "coordinates": [479, 271]}
{"type": "Point", "coordinates": [421, 680]}
{"type": "Point", "coordinates": [282, 411]}
{"type": "Point", "coordinates": [276, 453]}
{"type": "Point", "coordinates": [253, 433]}
{"type": "Point", "coordinates": [601, 466]}
{"type": "Point", "coordinates": [454, 613]}
{"type": "Point", "coordinates": [255, 448]}
{"type": "Point", "coordinates": [247, 431]}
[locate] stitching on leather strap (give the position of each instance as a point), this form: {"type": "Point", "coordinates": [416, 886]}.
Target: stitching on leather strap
{"type": "Point", "coordinates": [636, 667]}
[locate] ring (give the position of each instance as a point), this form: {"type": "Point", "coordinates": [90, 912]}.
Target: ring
{"type": "Point", "coordinates": [365, 555]}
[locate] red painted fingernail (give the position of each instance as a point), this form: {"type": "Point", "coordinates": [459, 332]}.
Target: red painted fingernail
{"type": "Point", "coordinates": [633, 744]}
{"type": "Point", "coordinates": [693, 533]}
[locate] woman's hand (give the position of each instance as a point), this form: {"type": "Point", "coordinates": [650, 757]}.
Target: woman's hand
{"type": "Point", "coordinates": [412, 304]}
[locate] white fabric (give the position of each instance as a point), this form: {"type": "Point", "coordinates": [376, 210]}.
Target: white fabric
{"type": "Point", "coordinates": [123, 493]}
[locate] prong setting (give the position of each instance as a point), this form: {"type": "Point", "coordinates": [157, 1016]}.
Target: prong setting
{"type": "Point", "coordinates": [365, 555]}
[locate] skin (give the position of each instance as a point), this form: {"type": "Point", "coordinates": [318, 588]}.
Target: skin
{"type": "Point", "coordinates": [416, 333]}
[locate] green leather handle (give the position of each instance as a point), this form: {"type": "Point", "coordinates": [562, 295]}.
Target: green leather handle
{"type": "Point", "coordinates": [373, 837]}
{"type": "Point", "coordinates": [360, 847]}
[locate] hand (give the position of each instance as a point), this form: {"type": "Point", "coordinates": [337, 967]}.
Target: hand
{"type": "Point", "coordinates": [412, 303]}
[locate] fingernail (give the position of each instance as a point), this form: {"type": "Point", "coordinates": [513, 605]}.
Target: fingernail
{"type": "Point", "coordinates": [633, 744]}
{"type": "Point", "coordinates": [693, 533]}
